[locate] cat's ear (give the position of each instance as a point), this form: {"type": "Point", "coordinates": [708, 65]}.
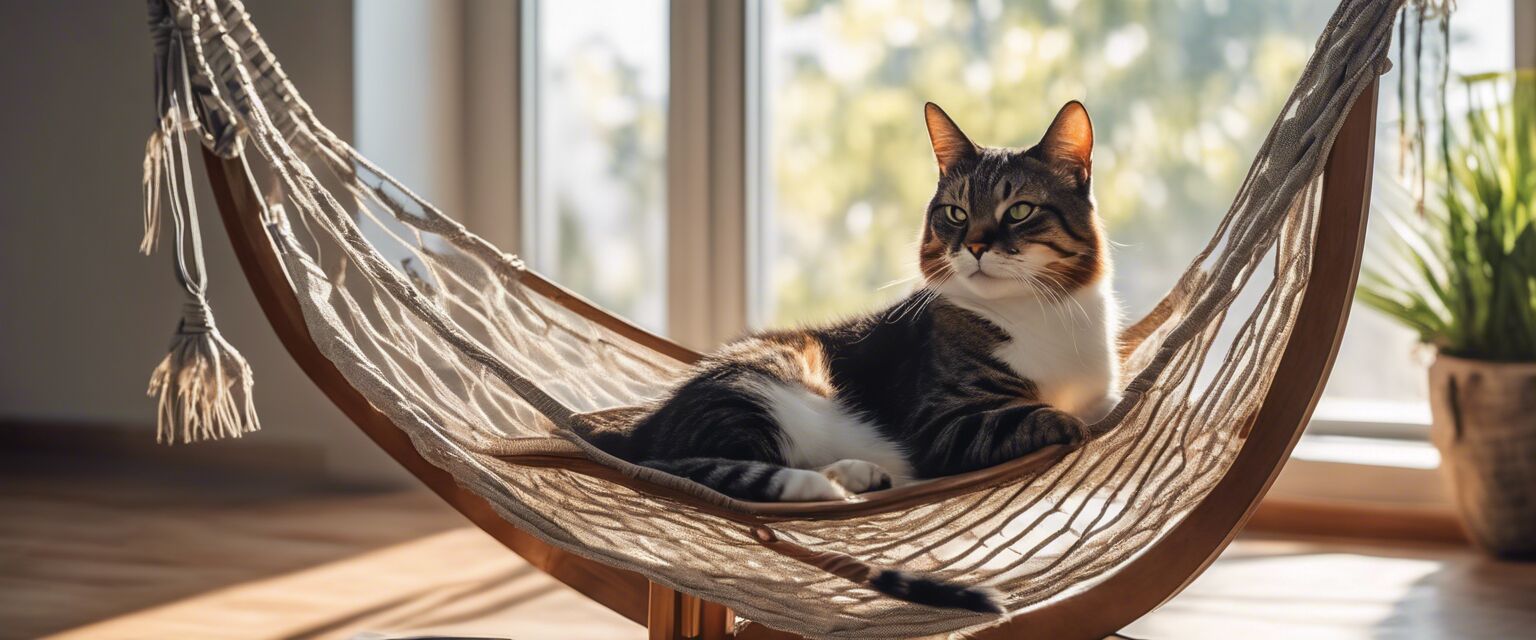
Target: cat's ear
{"type": "Point", "coordinates": [1068, 144]}
{"type": "Point", "coordinates": [950, 146]}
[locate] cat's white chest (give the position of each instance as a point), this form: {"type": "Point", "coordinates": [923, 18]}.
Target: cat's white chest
{"type": "Point", "coordinates": [1066, 348]}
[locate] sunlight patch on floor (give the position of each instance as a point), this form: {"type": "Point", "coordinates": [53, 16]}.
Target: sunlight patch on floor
{"type": "Point", "coordinates": [1264, 589]}
{"type": "Point", "coordinates": [459, 582]}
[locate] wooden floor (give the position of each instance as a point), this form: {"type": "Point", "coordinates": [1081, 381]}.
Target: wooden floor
{"type": "Point", "coordinates": [124, 551]}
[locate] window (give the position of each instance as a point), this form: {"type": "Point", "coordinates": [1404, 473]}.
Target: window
{"type": "Point", "coordinates": [829, 166]}
{"type": "Point", "coordinates": [1179, 111]}
{"type": "Point", "coordinates": [595, 114]}
{"type": "Point", "coordinates": [1181, 95]}
{"type": "Point", "coordinates": [1378, 386]}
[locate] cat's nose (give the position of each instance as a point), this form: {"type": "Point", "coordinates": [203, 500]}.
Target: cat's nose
{"type": "Point", "coordinates": [976, 248]}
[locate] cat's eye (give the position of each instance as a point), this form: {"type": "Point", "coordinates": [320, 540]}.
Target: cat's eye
{"type": "Point", "coordinates": [1020, 212]}
{"type": "Point", "coordinates": [954, 214]}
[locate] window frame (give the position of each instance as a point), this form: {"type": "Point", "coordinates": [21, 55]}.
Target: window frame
{"type": "Point", "coordinates": [712, 66]}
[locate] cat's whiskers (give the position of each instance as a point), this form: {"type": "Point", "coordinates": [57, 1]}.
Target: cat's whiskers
{"type": "Point", "coordinates": [1023, 276]}
{"type": "Point", "coordinates": [1058, 294]}
{"type": "Point", "coordinates": [898, 281]}
{"type": "Point", "coordinates": [912, 305]}
{"type": "Point", "coordinates": [1064, 312]}
{"type": "Point", "coordinates": [945, 274]}
{"type": "Point", "coordinates": [1068, 296]}
{"type": "Point", "coordinates": [1064, 295]}
{"type": "Point", "coordinates": [905, 307]}
{"type": "Point", "coordinates": [929, 292]}
{"type": "Point", "coordinates": [935, 293]}
{"type": "Point", "coordinates": [1040, 292]}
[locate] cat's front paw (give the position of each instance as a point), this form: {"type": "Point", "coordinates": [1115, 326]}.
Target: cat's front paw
{"type": "Point", "coordinates": [805, 485]}
{"type": "Point", "coordinates": [1054, 426]}
{"type": "Point", "coordinates": [858, 476]}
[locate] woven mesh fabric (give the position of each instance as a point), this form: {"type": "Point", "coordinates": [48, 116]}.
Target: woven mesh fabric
{"type": "Point", "coordinates": [441, 332]}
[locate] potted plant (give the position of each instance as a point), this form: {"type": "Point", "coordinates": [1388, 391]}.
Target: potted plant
{"type": "Point", "coordinates": [1463, 275]}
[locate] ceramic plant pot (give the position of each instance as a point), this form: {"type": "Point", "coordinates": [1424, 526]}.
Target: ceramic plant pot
{"type": "Point", "coordinates": [1485, 428]}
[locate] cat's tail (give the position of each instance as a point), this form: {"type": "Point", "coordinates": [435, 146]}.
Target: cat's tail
{"type": "Point", "coordinates": [762, 481]}
{"type": "Point", "coordinates": [901, 585]}
{"type": "Point", "coordinates": [933, 592]}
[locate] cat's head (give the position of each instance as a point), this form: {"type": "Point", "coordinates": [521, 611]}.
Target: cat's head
{"type": "Point", "coordinates": [1013, 222]}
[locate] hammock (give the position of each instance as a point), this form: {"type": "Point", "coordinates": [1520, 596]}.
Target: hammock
{"type": "Point", "coordinates": [419, 329]}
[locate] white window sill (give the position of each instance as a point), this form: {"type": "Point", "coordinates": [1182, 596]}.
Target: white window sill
{"type": "Point", "coordinates": [1383, 470]}
{"type": "Point", "coordinates": [1371, 419]}
{"type": "Point", "coordinates": [1370, 451]}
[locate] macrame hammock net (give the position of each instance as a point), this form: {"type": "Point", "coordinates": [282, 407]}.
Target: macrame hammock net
{"type": "Point", "coordinates": [493, 372]}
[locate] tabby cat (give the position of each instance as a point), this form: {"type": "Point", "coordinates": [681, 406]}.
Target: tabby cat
{"type": "Point", "coordinates": [1006, 348]}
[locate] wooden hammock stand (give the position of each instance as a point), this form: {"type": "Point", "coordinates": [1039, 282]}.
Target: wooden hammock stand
{"type": "Point", "coordinates": [1134, 589]}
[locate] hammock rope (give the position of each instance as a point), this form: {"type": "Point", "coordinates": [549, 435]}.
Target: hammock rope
{"type": "Point", "coordinates": [204, 385]}
{"type": "Point", "coordinates": [494, 373]}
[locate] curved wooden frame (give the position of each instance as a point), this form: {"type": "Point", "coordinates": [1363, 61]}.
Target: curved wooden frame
{"type": "Point", "coordinates": [240, 208]}
{"type": "Point", "coordinates": [1160, 572]}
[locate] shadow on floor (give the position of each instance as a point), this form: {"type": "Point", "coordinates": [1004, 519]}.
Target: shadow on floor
{"type": "Point", "coordinates": [89, 538]}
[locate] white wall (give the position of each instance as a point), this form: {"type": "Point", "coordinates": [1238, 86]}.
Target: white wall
{"type": "Point", "coordinates": [409, 83]}
{"type": "Point", "coordinates": [437, 104]}
{"type": "Point", "coordinates": [83, 317]}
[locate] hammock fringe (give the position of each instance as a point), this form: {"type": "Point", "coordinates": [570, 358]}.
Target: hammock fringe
{"type": "Point", "coordinates": [155, 153]}
{"type": "Point", "coordinates": [203, 385]}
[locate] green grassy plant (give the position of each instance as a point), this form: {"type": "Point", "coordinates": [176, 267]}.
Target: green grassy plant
{"type": "Point", "coordinates": [1463, 273]}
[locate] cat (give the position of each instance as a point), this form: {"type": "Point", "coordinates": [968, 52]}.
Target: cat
{"type": "Point", "coordinates": [1008, 347]}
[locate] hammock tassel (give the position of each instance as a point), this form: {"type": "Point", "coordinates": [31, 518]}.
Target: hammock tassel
{"type": "Point", "coordinates": [203, 385]}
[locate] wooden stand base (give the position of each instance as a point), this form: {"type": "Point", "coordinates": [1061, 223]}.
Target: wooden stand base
{"type": "Point", "coordinates": [678, 616]}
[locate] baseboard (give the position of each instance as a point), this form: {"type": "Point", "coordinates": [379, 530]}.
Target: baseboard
{"type": "Point", "coordinates": [136, 442]}
{"type": "Point", "coordinates": [1362, 521]}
